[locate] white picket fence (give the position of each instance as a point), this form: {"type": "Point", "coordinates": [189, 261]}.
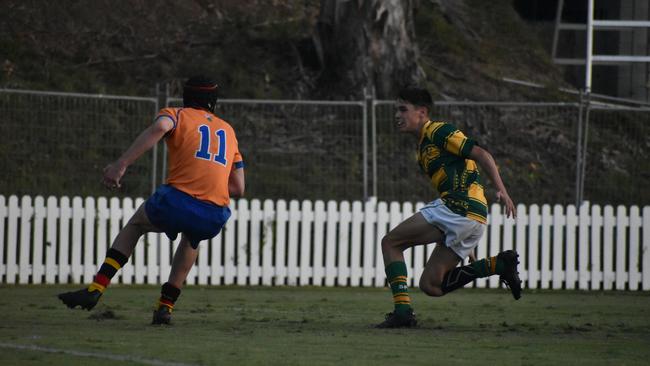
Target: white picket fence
{"type": "Point", "coordinates": [63, 240]}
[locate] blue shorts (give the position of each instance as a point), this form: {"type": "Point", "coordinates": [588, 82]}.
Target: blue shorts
{"type": "Point", "coordinates": [174, 211]}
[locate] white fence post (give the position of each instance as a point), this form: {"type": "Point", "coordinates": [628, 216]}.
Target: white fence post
{"type": "Point", "coordinates": [64, 241]}
{"type": "Point", "coordinates": [38, 266]}
{"type": "Point", "coordinates": [292, 245]}
{"type": "Point", "coordinates": [559, 222]}
{"type": "Point", "coordinates": [103, 238]}
{"type": "Point", "coordinates": [583, 247]}
{"type": "Point", "coordinates": [609, 221]}
{"type": "Point", "coordinates": [268, 229]}
{"type": "Point", "coordinates": [3, 243]}
{"type": "Point", "coordinates": [545, 247]}
{"type": "Point", "coordinates": [596, 241]}
{"type": "Point", "coordinates": [24, 265]}
{"type": "Point", "coordinates": [307, 218]}
{"type": "Point", "coordinates": [282, 216]}
{"type": "Point", "coordinates": [320, 220]}
{"type": "Point", "coordinates": [570, 272]}
{"type": "Point", "coordinates": [331, 243]}
{"type": "Point", "coordinates": [355, 244]}
{"type": "Point", "coordinates": [622, 223]}
{"type": "Point", "coordinates": [645, 280]}
{"type": "Point", "coordinates": [89, 240]}
{"type": "Point", "coordinates": [76, 262]}
{"type": "Point", "coordinates": [343, 245]}
{"type": "Point", "coordinates": [635, 243]}
{"type": "Point", "coordinates": [51, 241]}
{"type": "Point", "coordinates": [369, 241]}
{"type": "Point", "coordinates": [533, 246]}
{"type": "Point", "coordinates": [521, 223]}
{"type": "Point", "coordinates": [256, 216]}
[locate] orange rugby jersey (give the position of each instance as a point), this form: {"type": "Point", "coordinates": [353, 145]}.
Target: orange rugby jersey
{"type": "Point", "coordinates": [202, 151]}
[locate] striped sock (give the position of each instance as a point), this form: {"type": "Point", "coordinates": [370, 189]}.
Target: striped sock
{"type": "Point", "coordinates": [397, 276]}
{"type": "Point", "coordinates": [168, 296]}
{"type": "Point", "coordinates": [113, 262]}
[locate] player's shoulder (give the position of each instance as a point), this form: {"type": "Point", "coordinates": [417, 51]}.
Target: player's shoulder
{"type": "Point", "coordinates": [172, 111]}
{"type": "Point", "coordinates": [435, 127]}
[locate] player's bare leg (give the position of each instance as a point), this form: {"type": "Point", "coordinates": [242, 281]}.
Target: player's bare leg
{"type": "Point", "coordinates": [128, 237]}
{"type": "Point", "coordinates": [442, 275]}
{"type": "Point", "coordinates": [413, 231]}
{"type": "Point", "coordinates": [116, 258]}
{"type": "Point", "coordinates": [184, 259]}
{"type": "Point", "coordinates": [441, 261]}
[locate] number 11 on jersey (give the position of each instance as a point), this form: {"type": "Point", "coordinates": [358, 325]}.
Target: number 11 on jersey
{"type": "Point", "coordinates": [204, 148]}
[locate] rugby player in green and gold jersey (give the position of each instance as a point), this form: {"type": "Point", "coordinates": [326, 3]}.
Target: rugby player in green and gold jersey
{"type": "Point", "coordinates": [455, 221]}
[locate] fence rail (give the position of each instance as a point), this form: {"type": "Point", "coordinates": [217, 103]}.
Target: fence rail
{"type": "Point", "coordinates": [64, 240]}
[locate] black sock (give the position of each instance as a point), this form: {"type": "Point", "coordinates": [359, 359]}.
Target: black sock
{"type": "Point", "coordinates": [457, 278]}
{"type": "Point", "coordinates": [168, 295]}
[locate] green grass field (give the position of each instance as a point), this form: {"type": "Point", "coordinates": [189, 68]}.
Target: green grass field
{"type": "Point", "coordinates": [324, 326]}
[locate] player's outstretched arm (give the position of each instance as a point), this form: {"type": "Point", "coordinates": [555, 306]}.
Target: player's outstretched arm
{"type": "Point", "coordinates": [146, 140]}
{"type": "Point", "coordinates": [486, 161]}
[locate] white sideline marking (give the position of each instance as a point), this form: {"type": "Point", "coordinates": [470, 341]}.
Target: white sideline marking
{"type": "Point", "coordinates": [146, 361]}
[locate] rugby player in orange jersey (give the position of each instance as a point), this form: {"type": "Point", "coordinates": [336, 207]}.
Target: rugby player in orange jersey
{"type": "Point", "coordinates": [205, 170]}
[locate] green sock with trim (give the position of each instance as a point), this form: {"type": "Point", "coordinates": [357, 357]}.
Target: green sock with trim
{"type": "Point", "coordinates": [397, 276]}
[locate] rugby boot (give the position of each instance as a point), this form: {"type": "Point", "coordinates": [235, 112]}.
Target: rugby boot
{"type": "Point", "coordinates": [83, 298]}
{"type": "Point", "coordinates": [510, 275]}
{"type": "Point", "coordinates": [162, 316]}
{"type": "Point", "coordinates": [397, 320]}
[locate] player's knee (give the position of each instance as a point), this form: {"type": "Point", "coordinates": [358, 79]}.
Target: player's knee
{"type": "Point", "coordinates": [430, 288]}
{"type": "Point", "coordinates": [387, 243]}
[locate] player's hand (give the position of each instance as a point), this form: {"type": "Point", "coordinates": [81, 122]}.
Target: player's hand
{"type": "Point", "coordinates": [113, 174]}
{"type": "Point", "coordinates": [503, 197]}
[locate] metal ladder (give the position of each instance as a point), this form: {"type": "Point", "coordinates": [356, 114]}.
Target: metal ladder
{"type": "Point", "coordinates": [594, 24]}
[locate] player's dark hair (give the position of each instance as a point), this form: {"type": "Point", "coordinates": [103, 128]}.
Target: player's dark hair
{"type": "Point", "coordinates": [200, 92]}
{"type": "Point", "coordinates": [417, 96]}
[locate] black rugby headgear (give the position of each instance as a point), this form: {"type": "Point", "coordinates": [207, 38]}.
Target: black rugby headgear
{"type": "Point", "coordinates": [200, 92]}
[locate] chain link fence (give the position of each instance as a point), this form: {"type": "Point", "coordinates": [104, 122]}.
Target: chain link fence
{"type": "Point", "coordinates": [300, 149]}
{"type": "Point", "coordinates": [617, 164]}
{"type": "Point", "coordinates": [534, 145]}
{"type": "Point", "coordinates": [58, 144]}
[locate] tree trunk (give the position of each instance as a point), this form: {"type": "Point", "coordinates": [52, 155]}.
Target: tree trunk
{"type": "Point", "coordinates": [367, 44]}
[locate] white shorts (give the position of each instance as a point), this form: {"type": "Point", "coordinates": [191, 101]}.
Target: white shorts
{"type": "Point", "coordinates": [461, 234]}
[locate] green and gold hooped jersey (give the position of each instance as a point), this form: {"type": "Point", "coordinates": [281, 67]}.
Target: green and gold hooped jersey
{"type": "Point", "coordinates": [443, 154]}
